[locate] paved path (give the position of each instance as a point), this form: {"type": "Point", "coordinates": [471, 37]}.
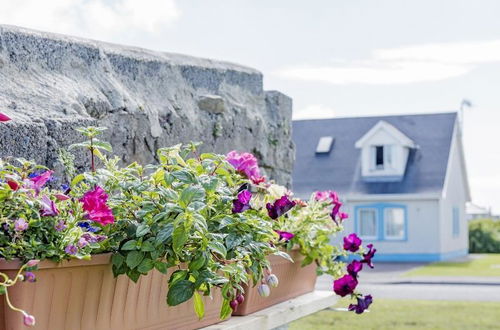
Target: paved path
{"type": "Point", "coordinates": [386, 281]}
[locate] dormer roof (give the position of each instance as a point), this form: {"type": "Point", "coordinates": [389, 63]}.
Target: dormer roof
{"type": "Point", "coordinates": [382, 125]}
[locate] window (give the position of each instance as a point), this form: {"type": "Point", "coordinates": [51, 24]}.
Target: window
{"type": "Point", "coordinates": [379, 157]}
{"type": "Point", "coordinates": [324, 145]}
{"type": "Point", "coordinates": [381, 221]}
{"type": "Point", "coordinates": [394, 223]}
{"type": "Point", "coordinates": [368, 223]}
{"type": "Point", "coordinates": [456, 222]}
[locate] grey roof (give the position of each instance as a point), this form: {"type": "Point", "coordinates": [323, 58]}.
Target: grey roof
{"type": "Point", "coordinates": [340, 169]}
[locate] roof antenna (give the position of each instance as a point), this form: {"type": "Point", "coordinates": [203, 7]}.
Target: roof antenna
{"type": "Point", "coordinates": [465, 104]}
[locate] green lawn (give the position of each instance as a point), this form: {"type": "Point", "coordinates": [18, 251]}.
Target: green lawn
{"type": "Point", "coordinates": [487, 265]}
{"type": "Point", "coordinates": [407, 314]}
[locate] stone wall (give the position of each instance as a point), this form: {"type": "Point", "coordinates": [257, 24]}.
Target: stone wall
{"type": "Point", "coordinates": [50, 84]}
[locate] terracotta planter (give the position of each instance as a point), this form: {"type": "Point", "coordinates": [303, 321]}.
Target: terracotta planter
{"type": "Point", "coordinates": [294, 281]}
{"type": "Point", "coordinates": [80, 294]}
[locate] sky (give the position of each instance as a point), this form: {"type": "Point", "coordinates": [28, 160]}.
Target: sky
{"type": "Point", "coordinates": [335, 58]}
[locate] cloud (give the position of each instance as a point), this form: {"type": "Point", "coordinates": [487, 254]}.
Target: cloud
{"type": "Point", "coordinates": [90, 18]}
{"type": "Point", "coordinates": [314, 111]}
{"type": "Point", "coordinates": [403, 65]}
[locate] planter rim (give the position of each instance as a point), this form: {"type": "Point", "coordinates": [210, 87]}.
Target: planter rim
{"type": "Point", "coordinates": [96, 260]}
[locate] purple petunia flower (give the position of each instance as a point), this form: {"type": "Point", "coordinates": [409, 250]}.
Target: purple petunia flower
{"type": "Point", "coordinates": [284, 235]}
{"type": "Point", "coordinates": [20, 225]}
{"type": "Point", "coordinates": [39, 180]}
{"type": "Point", "coordinates": [242, 203]}
{"type": "Point", "coordinates": [362, 305]}
{"type": "Point", "coordinates": [30, 277]}
{"type": "Point", "coordinates": [354, 268]}
{"type": "Point", "coordinates": [352, 242]}
{"type": "Point", "coordinates": [280, 207]}
{"type": "Point", "coordinates": [246, 163]}
{"type": "Point", "coordinates": [60, 226]}
{"type": "Point", "coordinates": [345, 285]}
{"type": "Point", "coordinates": [82, 242]}
{"type": "Point", "coordinates": [71, 249]}
{"type": "Point", "coordinates": [49, 208]}
{"type": "Point", "coordinates": [367, 257]}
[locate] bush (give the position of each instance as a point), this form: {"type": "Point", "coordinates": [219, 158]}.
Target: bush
{"type": "Point", "coordinates": [484, 236]}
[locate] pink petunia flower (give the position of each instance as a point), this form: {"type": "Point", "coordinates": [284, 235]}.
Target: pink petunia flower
{"type": "Point", "coordinates": [4, 117]}
{"type": "Point", "coordinates": [37, 182]}
{"type": "Point", "coordinates": [247, 164]}
{"type": "Point", "coordinates": [49, 208]}
{"type": "Point", "coordinates": [94, 203]}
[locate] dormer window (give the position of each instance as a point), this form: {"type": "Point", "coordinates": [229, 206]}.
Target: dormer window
{"type": "Point", "coordinates": [324, 145]}
{"type": "Point", "coordinates": [384, 153]}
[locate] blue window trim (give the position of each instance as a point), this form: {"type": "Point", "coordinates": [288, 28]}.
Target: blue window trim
{"type": "Point", "coordinates": [380, 210]}
{"type": "Point", "coordinates": [455, 222]}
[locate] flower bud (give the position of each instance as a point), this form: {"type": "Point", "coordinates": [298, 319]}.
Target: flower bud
{"type": "Point", "coordinates": [29, 320]}
{"type": "Point", "coordinates": [20, 277]}
{"type": "Point", "coordinates": [272, 280]}
{"type": "Point", "coordinates": [240, 298]}
{"type": "Point", "coordinates": [264, 290]}
{"type": "Point", "coordinates": [234, 304]}
{"type": "Point", "coordinates": [32, 263]}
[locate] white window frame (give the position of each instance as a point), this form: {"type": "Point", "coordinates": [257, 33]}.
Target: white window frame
{"type": "Point", "coordinates": [394, 238]}
{"type": "Point", "coordinates": [375, 211]}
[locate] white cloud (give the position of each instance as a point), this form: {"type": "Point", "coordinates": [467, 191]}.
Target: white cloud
{"type": "Point", "coordinates": [98, 19]}
{"type": "Point", "coordinates": [313, 111]}
{"type": "Point", "coordinates": [404, 65]}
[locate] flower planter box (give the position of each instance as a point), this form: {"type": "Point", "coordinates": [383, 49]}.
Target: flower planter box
{"type": "Point", "coordinates": [294, 281]}
{"type": "Point", "coordinates": [81, 294]}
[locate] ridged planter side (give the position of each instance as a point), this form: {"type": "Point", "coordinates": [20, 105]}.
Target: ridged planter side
{"type": "Point", "coordinates": [294, 281]}
{"type": "Point", "coordinates": [84, 295]}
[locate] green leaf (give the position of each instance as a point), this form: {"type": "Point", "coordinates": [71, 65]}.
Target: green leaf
{"type": "Point", "coordinates": [191, 194]}
{"type": "Point", "coordinates": [147, 247]}
{"type": "Point", "coordinates": [134, 258]}
{"type": "Point", "coordinates": [133, 275]}
{"type": "Point", "coordinates": [77, 179]}
{"type": "Point", "coordinates": [179, 237]}
{"type": "Point", "coordinates": [283, 255]}
{"type": "Point", "coordinates": [180, 292]}
{"type": "Point", "coordinates": [218, 248]}
{"type": "Point", "coordinates": [161, 267]}
{"type": "Point", "coordinates": [198, 262]}
{"type": "Point", "coordinates": [225, 310]}
{"type": "Point", "coordinates": [129, 245]}
{"type": "Point", "coordinates": [145, 266]}
{"type": "Point", "coordinates": [184, 176]}
{"type": "Point", "coordinates": [103, 145]}
{"type": "Point", "coordinates": [199, 306]}
{"type": "Point", "coordinates": [2, 290]}
{"type": "Point", "coordinates": [142, 230]}
{"type": "Point", "coordinates": [176, 276]}
{"type": "Point", "coordinates": [165, 233]}
{"type": "Point", "coordinates": [117, 260]}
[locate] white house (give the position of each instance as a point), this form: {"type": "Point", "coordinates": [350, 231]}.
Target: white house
{"type": "Point", "coordinates": [402, 178]}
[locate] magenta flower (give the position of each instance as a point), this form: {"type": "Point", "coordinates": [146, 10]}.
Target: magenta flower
{"type": "Point", "coordinates": [367, 257]}
{"type": "Point", "coordinates": [321, 196]}
{"type": "Point", "coordinates": [284, 235]}
{"type": "Point", "coordinates": [243, 202]}
{"type": "Point", "coordinates": [354, 268]}
{"type": "Point", "coordinates": [345, 285]}
{"type": "Point", "coordinates": [71, 249]}
{"type": "Point", "coordinates": [352, 242]}
{"type": "Point", "coordinates": [49, 208]}
{"type": "Point", "coordinates": [279, 207]}
{"type": "Point", "coordinates": [30, 277]}
{"type": "Point", "coordinates": [32, 263]}
{"type": "Point", "coordinates": [38, 181]}
{"type": "Point", "coordinates": [343, 216]}
{"type": "Point", "coordinates": [246, 163]}
{"type": "Point", "coordinates": [94, 203]}
{"type": "Point", "coordinates": [4, 117]}
{"type": "Point", "coordinates": [362, 305]}
{"type": "Point", "coordinates": [29, 320]}
{"type": "Point", "coordinates": [20, 225]}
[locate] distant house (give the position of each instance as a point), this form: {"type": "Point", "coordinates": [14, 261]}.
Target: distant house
{"type": "Point", "coordinates": [402, 178]}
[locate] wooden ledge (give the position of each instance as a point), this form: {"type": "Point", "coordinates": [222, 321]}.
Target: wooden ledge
{"type": "Point", "coordinates": [280, 314]}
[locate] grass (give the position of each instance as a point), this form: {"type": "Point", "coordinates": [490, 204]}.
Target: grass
{"type": "Point", "coordinates": [486, 265]}
{"type": "Point", "coordinates": [407, 314]}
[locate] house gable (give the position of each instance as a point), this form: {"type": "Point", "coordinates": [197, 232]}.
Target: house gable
{"type": "Point", "coordinates": [384, 153]}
